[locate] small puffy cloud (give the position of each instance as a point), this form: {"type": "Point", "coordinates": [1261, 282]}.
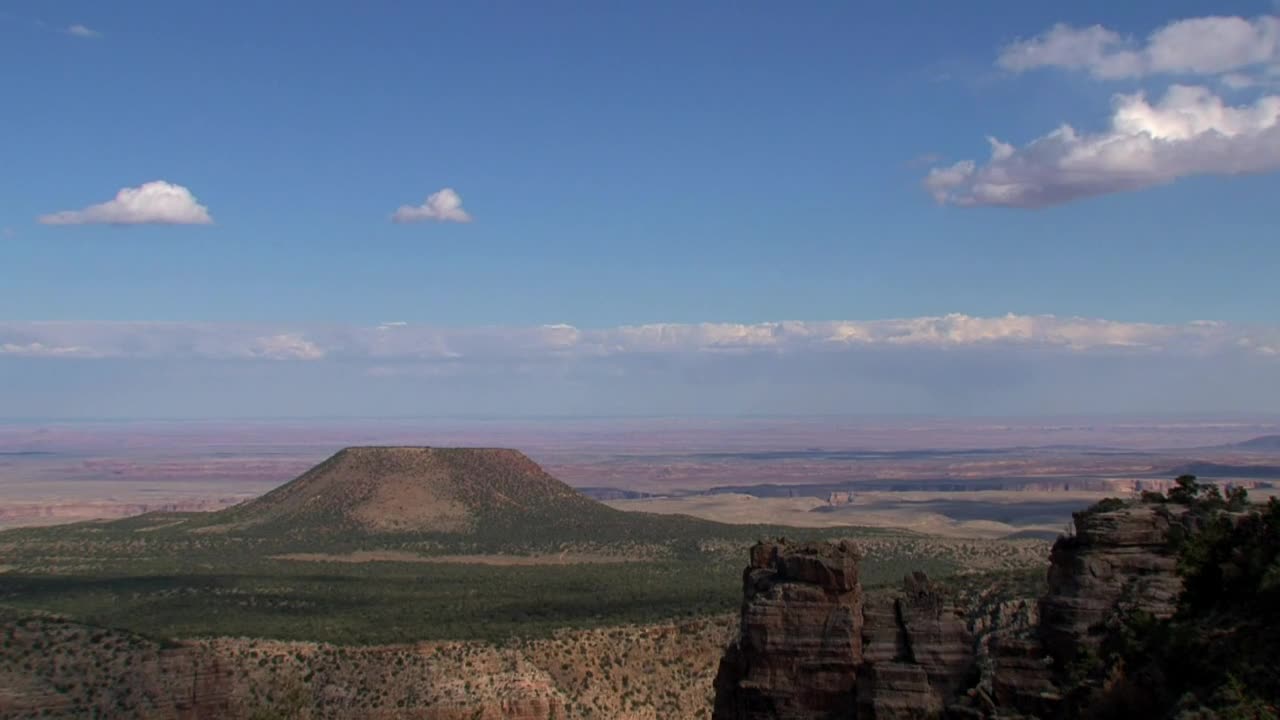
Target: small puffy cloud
{"type": "Point", "coordinates": [82, 31]}
{"type": "Point", "coordinates": [157, 202]}
{"type": "Point", "coordinates": [1190, 131]}
{"type": "Point", "coordinates": [442, 206]}
{"type": "Point", "coordinates": [1195, 46]}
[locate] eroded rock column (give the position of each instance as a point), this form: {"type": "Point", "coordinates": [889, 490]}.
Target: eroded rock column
{"type": "Point", "coordinates": [800, 641]}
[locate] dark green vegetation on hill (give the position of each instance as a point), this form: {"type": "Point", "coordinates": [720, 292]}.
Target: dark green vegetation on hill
{"type": "Point", "coordinates": [569, 561]}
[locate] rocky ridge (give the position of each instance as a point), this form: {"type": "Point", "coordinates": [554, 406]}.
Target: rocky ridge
{"type": "Point", "coordinates": [810, 645]}
{"type": "Point", "coordinates": [923, 657]}
{"type": "Point", "coordinates": [918, 653]}
{"type": "Point", "coordinates": [800, 640]}
{"type": "Point", "coordinates": [1118, 560]}
{"type": "Point", "coordinates": [54, 668]}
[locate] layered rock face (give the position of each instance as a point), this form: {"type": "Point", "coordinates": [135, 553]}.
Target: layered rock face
{"type": "Point", "coordinates": [918, 654]}
{"type": "Point", "coordinates": [937, 638]}
{"type": "Point", "coordinates": [919, 657]}
{"type": "Point", "coordinates": [1118, 561]}
{"type": "Point", "coordinates": [800, 641]}
{"type": "Point", "coordinates": [810, 648]}
{"type": "Point", "coordinates": [1023, 677]}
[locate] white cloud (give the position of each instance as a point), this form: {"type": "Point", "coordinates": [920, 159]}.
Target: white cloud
{"type": "Point", "coordinates": [1035, 364]}
{"type": "Point", "coordinates": [1190, 131]}
{"type": "Point", "coordinates": [36, 349]}
{"type": "Point", "coordinates": [1238, 81]}
{"type": "Point", "coordinates": [378, 344]}
{"type": "Point", "coordinates": [286, 346]}
{"type": "Point", "coordinates": [443, 206]}
{"type": "Point", "coordinates": [1195, 46]}
{"type": "Point", "coordinates": [157, 202]}
{"type": "Point", "coordinates": [1094, 48]}
{"type": "Point", "coordinates": [82, 31]}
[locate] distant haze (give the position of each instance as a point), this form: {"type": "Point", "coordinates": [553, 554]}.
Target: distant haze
{"type": "Point", "coordinates": [953, 365]}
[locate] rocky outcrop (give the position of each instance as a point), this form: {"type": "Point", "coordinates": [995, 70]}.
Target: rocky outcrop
{"type": "Point", "coordinates": [1119, 561]}
{"type": "Point", "coordinates": [1022, 676]}
{"type": "Point", "coordinates": [922, 658]}
{"type": "Point", "coordinates": [937, 638]}
{"type": "Point", "coordinates": [918, 653]}
{"type": "Point", "coordinates": [811, 647]}
{"type": "Point", "coordinates": [800, 641]}
{"type": "Point", "coordinates": [897, 691]}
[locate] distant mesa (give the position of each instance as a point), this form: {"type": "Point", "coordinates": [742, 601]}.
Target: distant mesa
{"type": "Point", "coordinates": [1262, 442]}
{"type": "Point", "coordinates": [1257, 475]}
{"type": "Point", "coordinates": [398, 490]}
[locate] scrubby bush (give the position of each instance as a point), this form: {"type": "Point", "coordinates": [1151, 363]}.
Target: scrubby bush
{"type": "Point", "coordinates": [1186, 490]}
{"type": "Point", "coordinates": [1106, 505]}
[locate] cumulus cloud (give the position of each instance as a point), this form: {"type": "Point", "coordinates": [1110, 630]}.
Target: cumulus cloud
{"type": "Point", "coordinates": [286, 346]}
{"type": "Point", "coordinates": [1195, 46]}
{"type": "Point", "coordinates": [399, 342]}
{"type": "Point", "coordinates": [37, 349]}
{"type": "Point", "coordinates": [442, 206]}
{"type": "Point", "coordinates": [82, 31]}
{"type": "Point", "coordinates": [1190, 131]}
{"type": "Point", "coordinates": [1239, 81]}
{"type": "Point", "coordinates": [157, 202]}
{"type": "Point", "coordinates": [155, 340]}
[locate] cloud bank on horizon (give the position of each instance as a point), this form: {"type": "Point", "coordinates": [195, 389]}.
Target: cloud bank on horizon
{"type": "Point", "coordinates": [402, 341]}
{"type": "Point", "coordinates": [1190, 131]}
{"type": "Point", "coordinates": [952, 364]}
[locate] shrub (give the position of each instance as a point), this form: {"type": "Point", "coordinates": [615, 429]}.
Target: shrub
{"type": "Point", "coordinates": [1186, 489]}
{"type": "Point", "coordinates": [1237, 499]}
{"type": "Point", "coordinates": [1106, 505]}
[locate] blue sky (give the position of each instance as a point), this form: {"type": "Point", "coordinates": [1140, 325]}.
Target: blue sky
{"type": "Point", "coordinates": [620, 165]}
